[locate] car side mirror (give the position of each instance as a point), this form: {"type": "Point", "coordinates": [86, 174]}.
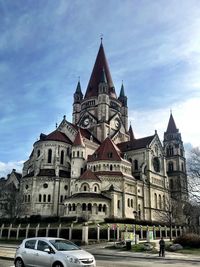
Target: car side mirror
{"type": "Point", "coordinates": [47, 250]}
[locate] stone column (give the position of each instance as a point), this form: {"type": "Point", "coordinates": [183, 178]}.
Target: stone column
{"type": "Point", "coordinates": [176, 234]}
{"type": "Point", "coordinates": [141, 232]}
{"type": "Point", "coordinates": [58, 230]}
{"type": "Point", "coordinates": [165, 231]}
{"type": "Point", "coordinates": [85, 234]}
{"type": "Point", "coordinates": [147, 233]}
{"type": "Point", "coordinates": [154, 232]}
{"type": "Point", "coordinates": [160, 230]}
{"type": "Point", "coordinates": [117, 232]}
{"type": "Point", "coordinates": [47, 230]}
{"type": "Point", "coordinates": [9, 229]}
{"type": "Point", "coordinates": [70, 231]}
{"type": "Point", "coordinates": [1, 231]}
{"type": "Point", "coordinates": [27, 229]}
{"type": "Point", "coordinates": [37, 229]}
{"type": "Point", "coordinates": [108, 232]}
{"type": "Point", "coordinates": [98, 233]}
{"type": "Point", "coordinates": [17, 236]}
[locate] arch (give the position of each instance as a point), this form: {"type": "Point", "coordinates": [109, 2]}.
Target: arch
{"type": "Point", "coordinates": [128, 202]}
{"type": "Point", "coordinates": [131, 203]}
{"type": "Point", "coordinates": [136, 164]}
{"type": "Point", "coordinates": [83, 207]}
{"type": "Point", "coordinates": [68, 151]}
{"type": "Point", "coordinates": [78, 154]}
{"type": "Point", "coordinates": [170, 150]}
{"type": "Point", "coordinates": [70, 207]}
{"type": "Point", "coordinates": [25, 198]}
{"type": "Point", "coordinates": [111, 167]}
{"type": "Point", "coordinates": [44, 198]}
{"type": "Point", "coordinates": [73, 207]}
{"type": "Point", "coordinates": [159, 201]}
{"type": "Point", "coordinates": [40, 198]}
{"type": "Point", "coordinates": [29, 198]}
{"type": "Point", "coordinates": [89, 207]}
{"type": "Point", "coordinates": [49, 155]}
{"type": "Point", "coordinates": [163, 202]}
{"type": "Point", "coordinates": [85, 187]}
{"type": "Point", "coordinates": [62, 157]}
{"type": "Point", "coordinates": [104, 208]}
{"type": "Point", "coordinates": [49, 198]}
{"type": "Point", "coordinates": [100, 207]}
{"type": "Point", "coordinates": [61, 198]}
{"type": "Point", "coordinates": [38, 153]}
{"type": "Point", "coordinates": [96, 187]}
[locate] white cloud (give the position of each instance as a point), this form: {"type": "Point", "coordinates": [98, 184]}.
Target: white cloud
{"type": "Point", "coordinates": [186, 116]}
{"type": "Point", "coordinates": [6, 167]}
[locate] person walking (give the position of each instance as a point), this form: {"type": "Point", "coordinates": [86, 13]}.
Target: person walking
{"type": "Point", "coordinates": [162, 247]}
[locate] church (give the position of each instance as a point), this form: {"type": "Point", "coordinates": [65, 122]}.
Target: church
{"type": "Point", "coordinates": [94, 167]}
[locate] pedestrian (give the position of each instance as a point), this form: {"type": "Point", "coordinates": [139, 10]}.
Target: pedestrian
{"type": "Point", "coordinates": [162, 247]}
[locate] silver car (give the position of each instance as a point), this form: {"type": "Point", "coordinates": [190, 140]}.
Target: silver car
{"type": "Point", "coordinates": [52, 252]}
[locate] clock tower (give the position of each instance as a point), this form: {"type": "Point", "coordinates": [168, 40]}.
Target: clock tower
{"type": "Point", "coordinates": [101, 112]}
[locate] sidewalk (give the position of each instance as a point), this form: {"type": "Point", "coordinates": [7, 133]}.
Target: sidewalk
{"type": "Point", "coordinates": [8, 252]}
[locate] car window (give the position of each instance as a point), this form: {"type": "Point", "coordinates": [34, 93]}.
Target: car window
{"type": "Point", "coordinates": [30, 244]}
{"type": "Point", "coordinates": [63, 245]}
{"type": "Point", "coordinates": [42, 245]}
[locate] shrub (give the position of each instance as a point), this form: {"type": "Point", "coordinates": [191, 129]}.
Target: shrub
{"type": "Point", "coordinates": [188, 240]}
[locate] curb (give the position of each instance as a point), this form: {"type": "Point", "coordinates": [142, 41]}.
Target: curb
{"type": "Point", "coordinates": [7, 258]}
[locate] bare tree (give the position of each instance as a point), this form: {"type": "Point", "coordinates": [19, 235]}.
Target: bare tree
{"type": "Point", "coordinates": [193, 166]}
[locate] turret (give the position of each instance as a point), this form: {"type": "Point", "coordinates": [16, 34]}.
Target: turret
{"type": "Point", "coordinates": [124, 109]}
{"type": "Point", "coordinates": [78, 97]}
{"type": "Point", "coordinates": [176, 163]}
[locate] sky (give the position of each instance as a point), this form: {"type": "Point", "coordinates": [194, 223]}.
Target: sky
{"type": "Point", "coordinates": [45, 45]}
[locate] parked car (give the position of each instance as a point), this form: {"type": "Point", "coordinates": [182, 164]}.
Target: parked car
{"type": "Point", "coordinates": [52, 252]}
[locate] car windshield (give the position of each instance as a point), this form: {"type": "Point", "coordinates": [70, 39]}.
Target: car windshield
{"type": "Point", "coordinates": [63, 245]}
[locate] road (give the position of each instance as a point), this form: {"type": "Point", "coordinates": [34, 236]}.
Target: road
{"type": "Point", "coordinates": [112, 261]}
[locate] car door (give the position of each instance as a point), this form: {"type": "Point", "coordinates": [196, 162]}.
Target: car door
{"type": "Point", "coordinates": [41, 257]}
{"type": "Point", "coordinates": [28, 252]}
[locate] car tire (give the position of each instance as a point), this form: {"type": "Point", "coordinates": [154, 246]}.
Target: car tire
{"type": "Point", "coordinates": [57, 264]}
{"type": "Point", "coordinates": [19, 263]}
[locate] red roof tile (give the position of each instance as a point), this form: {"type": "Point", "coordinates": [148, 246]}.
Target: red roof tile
{"type": "Point", "coordinates": [78, 140]}
{"type": "Point", "coordinates": [136, 143]}
{"type": "Point", "coordinates": [100, 65]}
{"type": "Point", "coordinates": [57, 136]}
{"type": "Point", "coordinates": [106, 151]}
{"type": "Point", "coordinates": [89, 175]}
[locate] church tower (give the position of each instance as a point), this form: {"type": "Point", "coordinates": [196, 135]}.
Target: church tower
{"type": "Point", "coordinates": [78, 97]}
{"type": "Point", "coordinates": [176, 162]}
{"type": "Point", "coordinates": [124, 109]}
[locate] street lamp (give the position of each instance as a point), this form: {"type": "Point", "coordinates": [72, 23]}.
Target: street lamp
{"type": "Point", "coordinates": [136, 216]}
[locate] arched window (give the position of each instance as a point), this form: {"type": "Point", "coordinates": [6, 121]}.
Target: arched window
{"type": "Point", "coordinates": [29, 198]}
{"type": "Point", "coordinates": [95, 188]}
{"type": "Point", "coordinates": [89, 207]}
{"type": "Point", "coordinates": [104, 208]}
{"type": "Point", "coordinates": [73, 207]}
{"type": "Point", "coordinates": [83, 207]}
{"type": "Point", "coordinates": [111, 167]}
{"type": "Point", "coordinates": [170, 166]}
{"type": "Point", "coordinates": [49, 156]}
{"type": "Point", "coordinates": [68, 151]}
{"type": "Point", "coordinates": [163, 202]}
{"type": "Point", "coordinates": [182, 167]}
{"type": "Point", "coordinates": [82, 154]}
{"type": "Point", "coordinates": [155, 200]}
{"type": "Point", "coordinates": [128, 202]}
{"type": "Point", "coordinates": [44, 198]}
{"type": "Point", "coordinates": [85, 188]}
{"type": "Point", "coordinates": [94, 168]}
{"type": "Point", "coordinates": [73, 154]}
{"type": "Point", "coordinates": [40, 198]}
{"type": "Point", "coordinates": [136, 164]}
{"type": "Point", "coordinates": [78, 154]}
{"type": "Point", "coordinates": [25, 198]}
{"type": "Point", "coordinates": [118, 204]}
{"type": "Point", "coordinates": [170, 151]}
{"type": "Point", "coordinates": [61, 198]}
{"type": "Point", "coordinates": [131, 203]}
{"type": "Point", "coordinates": [62, 157]}
{"type": "Point", "coordinates": [100, 207]}
{"type": "Point", "coordinates": [38, 153]}
{"type": "Point", "coordinates": [70, 207]}
{"type": "Point", "coordinates": [49, 198]}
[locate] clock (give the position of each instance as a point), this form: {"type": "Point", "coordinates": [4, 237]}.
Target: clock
{"type": "Point", "coordinates": [117, 123]}
{"type": "Point", "coordinates": [85, 122]}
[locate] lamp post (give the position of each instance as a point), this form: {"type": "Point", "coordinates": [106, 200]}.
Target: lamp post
{"type": "Point", "coordinates": [136, 215]}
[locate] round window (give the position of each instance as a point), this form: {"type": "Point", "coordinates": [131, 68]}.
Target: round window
{"type": "Point", "coordinates": [45, 185]}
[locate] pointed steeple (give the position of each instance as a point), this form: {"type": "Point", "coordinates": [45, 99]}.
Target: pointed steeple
{"type": "Point", "coordinates": [78, 95]}
{"type": "Point", "coordinates": [171, 128]}
{"type": "Point", "coordinates": [122, 94]}
{"type": "Point", "coordinates": [122, 97]}
{"type": "Point", "coordinates": [131, 134]}
{"type": "Point", "coordinates": [78, 140]}
{"type": "Point", "coordinates": [100, 64]}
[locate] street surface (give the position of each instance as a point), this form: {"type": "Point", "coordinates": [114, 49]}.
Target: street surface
{"type": "Point", "coordinates": [112, 261]}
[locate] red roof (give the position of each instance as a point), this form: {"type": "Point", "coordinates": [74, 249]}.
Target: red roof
{"type": "Point", "coordinates": [136, 143]}
{"type": "Point", "coordinates": [89, 175]}
{"type": "Point", "coordinates": [78, 140]}
{"type": "Point", "coordinates": [57, 136]}
{"type": "Point", "coordinates": [171, 128]}
{"type": "Point", "coordinates": [106, 151]}
{"type": "Point", "coordinates": [100, 65]}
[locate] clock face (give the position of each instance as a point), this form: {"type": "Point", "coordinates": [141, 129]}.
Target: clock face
{"type": "Point", "coordinates": [117, 123]}
{"type": "Point", "coordinates": [86, 122]}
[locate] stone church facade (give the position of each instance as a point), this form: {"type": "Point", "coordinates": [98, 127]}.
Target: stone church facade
{"type": "Point", "coordinates": [95, 168]}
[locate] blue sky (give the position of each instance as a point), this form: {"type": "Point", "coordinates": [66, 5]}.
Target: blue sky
{"type": "Point", "coordinates": [45, 45]}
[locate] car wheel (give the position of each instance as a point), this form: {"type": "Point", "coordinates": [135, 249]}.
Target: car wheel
{"type": "Point", "coordinates": [19, 263]}
{"type": "Point", "coordinates": [57, 264]}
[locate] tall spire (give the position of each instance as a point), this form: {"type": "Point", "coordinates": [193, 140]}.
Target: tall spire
{"type": "Point", "coordinates": [122, 97]}
{"type": "Point", "coordinates": [171, 128]}
{"type": "Point", "coordinates": [100, 64]}
{"type": "Point", "coordinates": [78, 95]}
{"type": "Point", "coordinates": [131, 134]}
{"type": "Point", "coordinates": [122, 94]}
